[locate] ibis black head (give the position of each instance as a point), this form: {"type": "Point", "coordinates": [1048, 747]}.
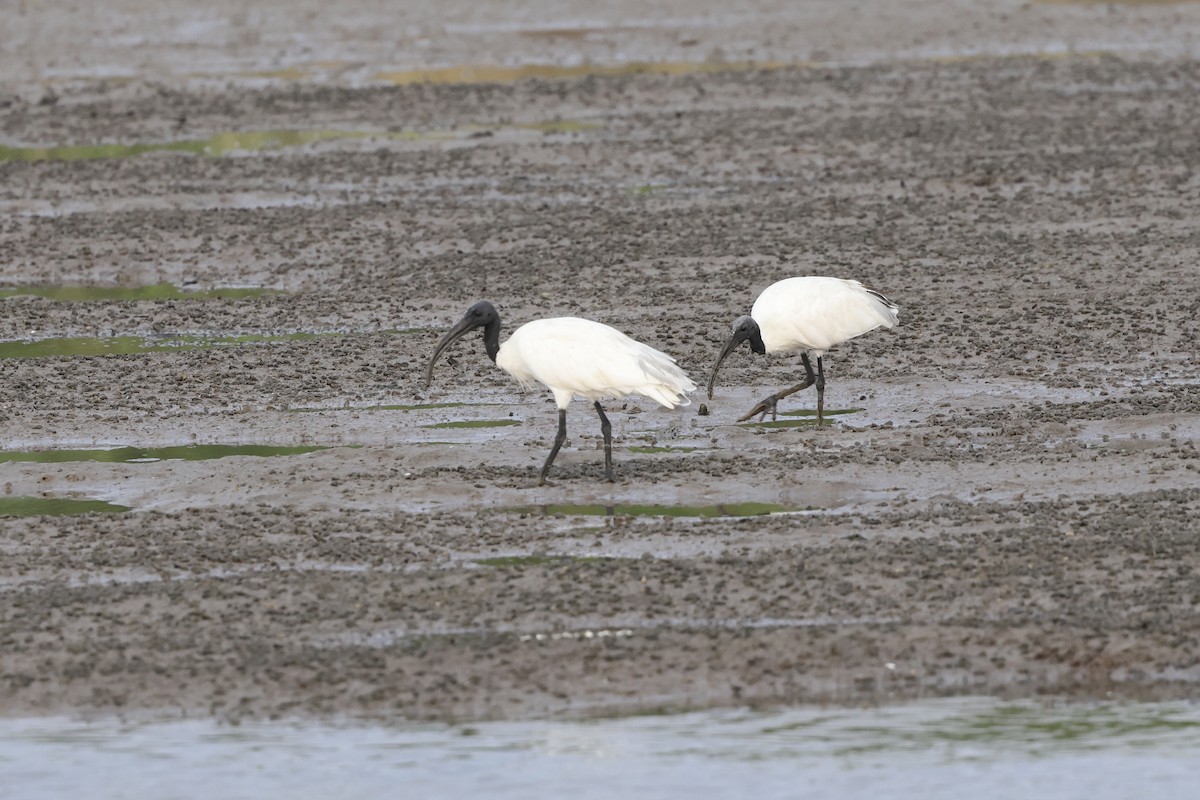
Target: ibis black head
{"type": "Point", "coordinates": [745, 329]}
{"type": "Point", "coordinates": [481, 315]}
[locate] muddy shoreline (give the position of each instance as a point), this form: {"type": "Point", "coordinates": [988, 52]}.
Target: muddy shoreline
{"type": "Point", "coordinates": [1008, 506]}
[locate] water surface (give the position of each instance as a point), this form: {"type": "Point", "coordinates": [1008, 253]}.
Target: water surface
{"type": "Point", "coordinates": [979, 749]}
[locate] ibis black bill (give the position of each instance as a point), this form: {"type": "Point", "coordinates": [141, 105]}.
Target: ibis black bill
{"type": "Point", "coordinates": [460, 329]}
{"type": "Point", "coordinates": [481, 315]}
{"type": "Point", "coordinates": [745, 329]}
{"type": "Point", "coordinates": [729, 347]}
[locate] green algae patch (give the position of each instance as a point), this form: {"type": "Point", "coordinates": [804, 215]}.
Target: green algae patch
{"type": "Point", "coordinates": [128, 455]}
{"type": "Point", "coordinates": [812, 412]}
{"type": "Point", "coordinates": [229, 142]}
{"type": "Point", "coordinates": [135, 345]}
{"type": "Point", "coordinates": [158, 291]}
{"type": "Point", "coordinates": [720, 510]}
{"type": "Point", "coordinates": [475, 423]}
{"type": "Point", "coordinates": [412, 407]}
{"type": "Point", "coordinates": [782, 423]}
{"type": "Point", "coordinates": [807, 418]}
{"type": "Point", "coordinates": [219, 144]}
{"type": "Point", "coordinates": [561, 126]}
{"type": "Point", "coordinates": [486, 73]}
{"type": "Point", "coordinates": [54, 506]}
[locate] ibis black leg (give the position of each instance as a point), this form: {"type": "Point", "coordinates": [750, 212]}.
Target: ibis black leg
{"type": "Point", "coordinates": [768, 403]}
{"type": "Point", "coordinates": [820, 391]}
{"type": "Point", "coordinates": [606, 429]}
{"type": "Point", "coordinates": [558, 443]}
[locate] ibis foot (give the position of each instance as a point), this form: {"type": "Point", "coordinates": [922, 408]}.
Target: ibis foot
{"type": "Point", "coordinates": [764, 405]}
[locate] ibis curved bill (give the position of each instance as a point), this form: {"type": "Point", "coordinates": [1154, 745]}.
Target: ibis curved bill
{"type": "Point", "coordinates": [574, 357]}
{"type": "Point", "coordinates": [812, 315]}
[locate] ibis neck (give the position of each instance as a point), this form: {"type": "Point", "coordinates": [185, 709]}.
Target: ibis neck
{"type": "Point", "coordinates": [491, 338]}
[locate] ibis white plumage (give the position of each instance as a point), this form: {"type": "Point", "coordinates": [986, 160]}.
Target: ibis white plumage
{"type": "Point", "coordinates": [574, 357]}
{"type": "Point", "coordinates": [811, 315]}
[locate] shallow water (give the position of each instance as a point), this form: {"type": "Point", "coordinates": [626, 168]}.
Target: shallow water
{"type": "Point", "coordinates": [937, 749]}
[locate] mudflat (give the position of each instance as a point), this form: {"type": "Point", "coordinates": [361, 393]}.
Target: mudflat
{"type": "Point", "coordinates": [1005, 502]}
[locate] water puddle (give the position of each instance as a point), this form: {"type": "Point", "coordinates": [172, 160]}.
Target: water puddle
{"type": "Point", "coordinates": [158, 291]}
{"type": "Point", "coordinates": [721, 510]}
{"type": "Point", "coordinates": [475, 423]}
{"type": "Point", "coordinates": [230, 142]}
{"type": "Point", "coordinates": [928, 750]}
{"type": "Point", "coordinates": [54, 506]}
{"type": "Point", "coordinates": [136, 345]}
{"type": "Point", "coordinates": [652, 449]}
{"type": "Point", "coordinates": [135, 455]}
{"type": "Point", "coordinates": [477, 73]}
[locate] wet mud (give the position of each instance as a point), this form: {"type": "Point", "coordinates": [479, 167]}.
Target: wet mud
{"type": "Point", "coordinates": [1008, 506]}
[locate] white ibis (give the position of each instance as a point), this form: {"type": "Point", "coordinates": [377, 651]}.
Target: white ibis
{"type": "Point", "coordinates": [812, 315]}
{"type": "Point", "coordinates": [574, 357]}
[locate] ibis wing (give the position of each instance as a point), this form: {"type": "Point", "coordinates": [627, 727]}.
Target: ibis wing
{"type": "Point", "coordinates": [817, 313]}
{"type": "Point", "coordinates": [593, 361]}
